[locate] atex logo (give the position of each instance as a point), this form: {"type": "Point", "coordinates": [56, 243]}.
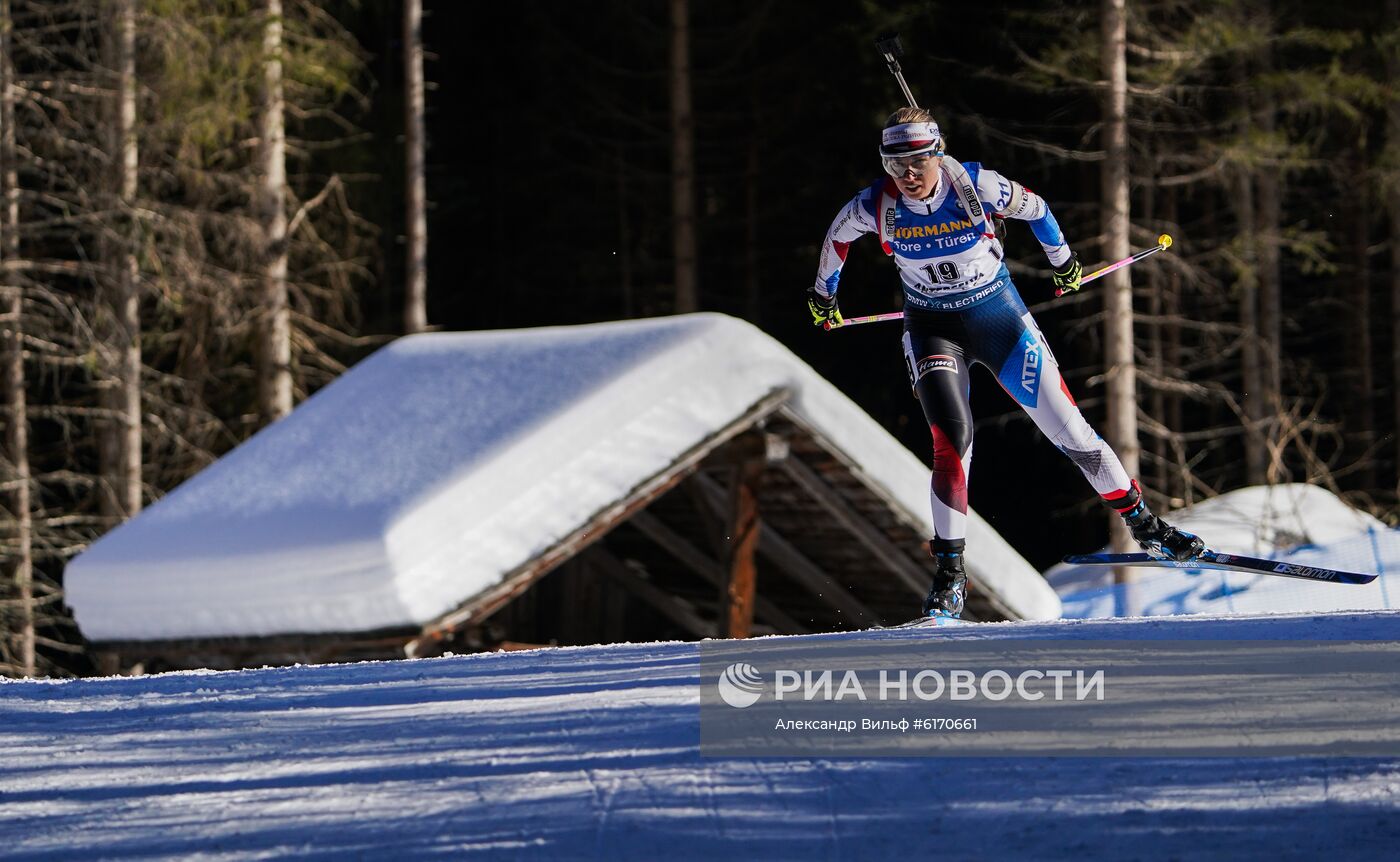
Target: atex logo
{"type": "Point", "coordinates": [741, 685]}
{"type": "Point", "coordinates": [1030, 368]}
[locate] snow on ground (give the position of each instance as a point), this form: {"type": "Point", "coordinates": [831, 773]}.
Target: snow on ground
{"type": "Point", "coordinates": [430, 470]}
{"type": "Point", "coordinates": [593, 753]}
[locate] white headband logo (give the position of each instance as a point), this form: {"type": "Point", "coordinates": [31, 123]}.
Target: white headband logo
{"type": "Point", "coordinates": [908, 132]}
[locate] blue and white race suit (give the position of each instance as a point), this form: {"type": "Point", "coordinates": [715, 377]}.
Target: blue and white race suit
{"type": "Point", "coordinates": [960, 307]}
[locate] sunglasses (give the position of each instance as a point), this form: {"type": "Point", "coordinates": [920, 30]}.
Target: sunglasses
{"type": "Point", "coordinates": [919, 164]}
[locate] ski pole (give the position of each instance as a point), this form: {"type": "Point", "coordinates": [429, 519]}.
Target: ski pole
{"type": "Point", "coordinates": [889, 46]}
{"type": "Point", "coordinates": [870, 318]}
{"type": "Point", "coordinates": [1163, 242]}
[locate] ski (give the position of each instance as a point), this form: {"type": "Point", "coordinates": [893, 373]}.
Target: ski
{"type": "Point", "coordinates": [1215, 560]}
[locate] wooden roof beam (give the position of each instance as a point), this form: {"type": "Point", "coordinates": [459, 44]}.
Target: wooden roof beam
{"type": "Point", "coordinates": [745, 525]}
{"type": "Point", "coordinates": [793, 562]}
{"type": "Point", "coordinates": [879, 546]}
{"type": "Point", "coordinates": [673, 607]}
{"type": "Point", "coordinates": [711, 570]}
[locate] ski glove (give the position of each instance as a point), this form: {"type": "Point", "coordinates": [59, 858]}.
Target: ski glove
{"type": "Point", "coordinates": [825, 312]}
{"type": "Point", "coordinates": [1067, 277]}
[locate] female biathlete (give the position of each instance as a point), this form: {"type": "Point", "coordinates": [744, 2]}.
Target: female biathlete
{"type": "Point", "coordinates": [933, 215]}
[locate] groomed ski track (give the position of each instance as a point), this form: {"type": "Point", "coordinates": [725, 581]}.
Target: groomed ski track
{"type": "Point", "coordinates": [592, 752]}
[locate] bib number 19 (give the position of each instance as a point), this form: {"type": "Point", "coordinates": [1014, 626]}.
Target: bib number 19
{"type": "Point", "coordinates": [945, 271]}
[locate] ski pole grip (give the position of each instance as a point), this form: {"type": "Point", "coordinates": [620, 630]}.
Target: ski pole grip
{"type": "Point", "coordinates": [889, 45]}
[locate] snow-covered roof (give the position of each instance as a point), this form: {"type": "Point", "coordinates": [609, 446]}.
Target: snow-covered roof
{"type": "Point", "coordinates": [426, 473]}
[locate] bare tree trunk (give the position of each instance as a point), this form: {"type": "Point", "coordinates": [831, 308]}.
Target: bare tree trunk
{"type": "Point", "coordinates": [122, 470]}
{"type": "Point", "coordinates": [1361, 414]}
{"type": "Point", "coordinates": [1156, 357]}
{"type": "Point", "coordinates": [1247, 300]}
{"type": "Point", "coordinates": [683, 163]}
{"type": "Point", "coordinates": [1268, 185]}
{"type": "Point", "coordinates": [1156, 291]}
{"type": "Point", "coordinates": [1240, 186]}
{"type": "Point", "coordinates": [17, 438]}
{"type": "Point", "coordinates": [415, 312]}
{"type": "Point", "coordinates": [1270, 217]}
{"type": "Point", "coordinates": [275, 356]}
{"type": "Point", "coordinates": [1173, 485]}
{"type": "Point", "coordinates": [1119, 365]}
{"type": "Point", "coordinates": [1392, 137]}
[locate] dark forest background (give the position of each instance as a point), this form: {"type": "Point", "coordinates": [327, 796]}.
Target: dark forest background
{"type": "Point", "coordinates": [1264, 137]}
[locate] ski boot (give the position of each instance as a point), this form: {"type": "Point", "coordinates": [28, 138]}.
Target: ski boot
{"type": "Point", "coordinates": [1156, 536]}
{"type": "Point", "coordinates": [945, 597]}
